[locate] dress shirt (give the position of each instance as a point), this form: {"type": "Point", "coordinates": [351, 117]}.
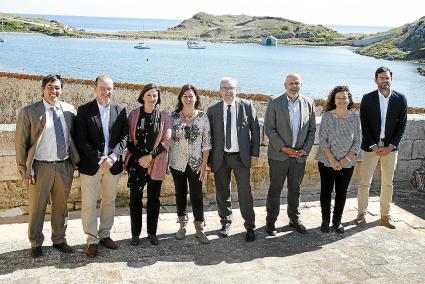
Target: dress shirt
{"type": "Point", "coordinates": [46, 144]}
{"type": "Point", "coordinates": [295, 118]}
{"type": "Point", "coordinates": [235, 143]}
{"type": "Point", "coordinates": [383, 105]}
{"type": "Point", "coordinates": [105, 114]}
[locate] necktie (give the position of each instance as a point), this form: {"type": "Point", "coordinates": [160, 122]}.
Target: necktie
{"type": "Point", "coordinates": [60, 137]}
{"type": "Point", "coordinates": [229, 128]}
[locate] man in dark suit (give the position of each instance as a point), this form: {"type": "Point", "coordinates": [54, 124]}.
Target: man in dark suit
{"type": "Point", "coordinates": [46, 157]}
{"type": "Point", "coordinates": [383, 116]}
{"type": "Point", "coordinates": [235, 134]}
{"type": "Point", "coordinates": [290, 125]}
{"type": "Point", "coordinates": [101, 137]}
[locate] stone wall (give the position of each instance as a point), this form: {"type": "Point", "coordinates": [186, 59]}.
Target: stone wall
{"type": "Point", "coordinates": [13, 194]}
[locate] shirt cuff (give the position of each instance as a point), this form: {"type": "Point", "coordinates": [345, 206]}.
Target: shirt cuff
{"type": "Point", "coordinates": [372, 146]}
{"type": "Point", "coordinates": [113, 157]}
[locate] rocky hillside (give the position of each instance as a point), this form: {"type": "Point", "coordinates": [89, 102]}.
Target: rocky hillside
{"type": "Point", "coordinates": [405, 43]}
{"type": "Point", "coordinates": [251, 29]}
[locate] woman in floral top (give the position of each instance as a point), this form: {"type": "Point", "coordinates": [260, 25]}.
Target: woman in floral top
{"type": "Point", "coordinates": [190, 145]}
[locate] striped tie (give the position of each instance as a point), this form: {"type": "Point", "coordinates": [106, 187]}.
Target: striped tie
{"type": "Point", "coordinates": [60, 137]}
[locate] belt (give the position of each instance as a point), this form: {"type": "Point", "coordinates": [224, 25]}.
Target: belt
{"type": "Point", "coordinates": [53, 162]}
{"type": "Point", "coordinates": [231, 153]}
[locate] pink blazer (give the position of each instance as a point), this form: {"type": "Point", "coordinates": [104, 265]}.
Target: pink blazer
{"type": "Point", "coordinates": [158, 166]}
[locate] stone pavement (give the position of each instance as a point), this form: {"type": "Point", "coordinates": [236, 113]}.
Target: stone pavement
{"type": "Point", "coordinates": [371, 255]}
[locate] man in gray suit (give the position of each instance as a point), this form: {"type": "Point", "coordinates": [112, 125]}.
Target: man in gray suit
{"type": "Point", "coordinates": [235, 134]}
{"type": "Point", "coordinates": [290, 125]}
{"type": "Point", "coordinates": [46, 157]}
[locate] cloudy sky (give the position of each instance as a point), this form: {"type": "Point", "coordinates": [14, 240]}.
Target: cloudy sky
{"type": "Point", "coordinates": [336, 12]}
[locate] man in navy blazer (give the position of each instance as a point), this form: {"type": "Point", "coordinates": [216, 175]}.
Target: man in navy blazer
{"type": "Point", "coordinates": [235, 135]}
{"type": "Point", "coordinates": [101, 137]}
{"type": "Point", "coordinates": [383, 115]}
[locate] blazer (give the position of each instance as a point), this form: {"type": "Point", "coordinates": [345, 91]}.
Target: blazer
{"type": "Point", "coordinates": [29, 126]}
{"type": "Point", "coordinates": [158, 166]}
{"type": "Point", "coordinates": [248, 130]}
{"type": "Point", "coordinates": [277, 127]}
{"type": "Point", "coordinates": [370, 118]}
{"type": "Point", "coordinates": [91, 142]}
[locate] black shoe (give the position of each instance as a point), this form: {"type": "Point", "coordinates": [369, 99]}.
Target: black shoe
{"type": "Point", "coordinates": [250, 235]}
{"type": "Point", "coordinates": [36, 252]}
{"type": "Point", "coordinates": [325, 226]}
{"type": "Point", "coordinates": [63, 247]}
{"type": "Point", "coordinates": [135, 240]}
{"type": "Point", "coordinates": [271, 229]}
{"type": "Point", "coordinates": [224, 231]}
{"type": "Point", "coordinates": [338, 228]}
{"type": "Point", "coordinates": [153, 239]}
{"type": "Point", "coordinates": [298, 226]}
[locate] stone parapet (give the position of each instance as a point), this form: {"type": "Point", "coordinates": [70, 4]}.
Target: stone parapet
{"type": "Point", "coordinates": [14, 194]}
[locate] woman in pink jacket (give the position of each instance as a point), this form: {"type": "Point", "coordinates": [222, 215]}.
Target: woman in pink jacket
{"type": "Point", "coordinates": [146, 160]}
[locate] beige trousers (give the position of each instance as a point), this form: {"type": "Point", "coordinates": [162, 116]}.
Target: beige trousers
{"type": "Point", "coordinates": [388, 165]}
{"type": "Point", "coordinates": [107, 184]}
{"type": "Point", "coordinates": [53, 182]}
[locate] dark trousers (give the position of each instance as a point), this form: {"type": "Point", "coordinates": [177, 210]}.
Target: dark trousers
{"type": "Point", "coordinates": [195, 190]}
{"type": "Point", "coordinates": [328, 179]}
{"type": "Point", "coordinates": [152, 207]}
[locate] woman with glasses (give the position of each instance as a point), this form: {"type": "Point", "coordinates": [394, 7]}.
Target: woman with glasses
{"type": "Point", "coordinates": [189, 149]}
{"type": "Point", "coordinates": [146, 160]}
{"type": "Point", "coordinates": [339, 145]}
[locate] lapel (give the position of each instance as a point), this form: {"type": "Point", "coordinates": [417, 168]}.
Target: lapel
{"type": "Point", "coordinates": [66, 116]}
{"type": "Point", "coordinates": [220, 118]}
{"type": "Point", "coordinates": [391, 104]}
{"type": "Point", "coordinates": [239, 113]}
{"type": "Point", "coordinates": [112, 116]}
{"type": "Point", "coordinates": [377, 108]}
{"type": "Point", "coordinates": [96, 117]}
{"type": "Point", "coordinates": [40, 114]}
{"type": "Point", "coordinates": [284, 106]}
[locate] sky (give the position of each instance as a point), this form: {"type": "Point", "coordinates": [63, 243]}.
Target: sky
{"type": "Point", "coordinates": [327, 12]}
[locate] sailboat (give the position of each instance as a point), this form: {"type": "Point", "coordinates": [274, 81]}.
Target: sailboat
{"type": "Point", "coordinates": [191, 44]}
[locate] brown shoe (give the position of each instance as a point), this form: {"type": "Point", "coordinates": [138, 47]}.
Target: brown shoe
{"type": "Point", "coordinates": [387, 222]}
{"type": "Point", "coordinates": [108, 243]}
{"type": "Point", "coordinates": [361, 221]}
{"type": "Point", "coordinates": [91, 250]}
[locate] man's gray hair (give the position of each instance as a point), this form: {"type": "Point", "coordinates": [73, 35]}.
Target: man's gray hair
{"type": "Point", "coordinates": [230, 80]}
{"type": "Point", "coordinates": [293, 75]}
{"type": "Point", "coordinates": [103, 78]}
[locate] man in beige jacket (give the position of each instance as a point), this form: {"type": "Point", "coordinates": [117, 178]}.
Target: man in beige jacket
{"type": "Point", "coordinates": [46, 158]}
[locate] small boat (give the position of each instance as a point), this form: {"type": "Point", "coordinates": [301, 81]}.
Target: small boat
{"type": "Point", "coordinates": [195, 45]}
{"type": "Point", "coordinates": [142, 45]}
{"type": "Point", "coordinates": [1, 40]}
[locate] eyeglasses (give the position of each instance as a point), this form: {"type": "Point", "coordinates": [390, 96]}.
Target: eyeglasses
{"type": "Point", "coordinates": [187, 132]}
{"type": "Point", "coordinates": [228, 89]}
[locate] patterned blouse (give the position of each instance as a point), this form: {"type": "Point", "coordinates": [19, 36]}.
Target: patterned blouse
{"type": "Point", "coordinates": [188, 141]}
{"type": "Point", "coordinates": [339, 135]}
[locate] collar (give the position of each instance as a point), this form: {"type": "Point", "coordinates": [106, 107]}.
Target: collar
{"type": "Point", "coordinates": [383, 97]}
{"type": "Point", "coordinates": [48, 106]}
{"type": "Point", "coordinates": [232, 104]}
{"type": "Point", "coordinates": [108, 107]}
{"type": "Point", "coordinates": [290, 101]}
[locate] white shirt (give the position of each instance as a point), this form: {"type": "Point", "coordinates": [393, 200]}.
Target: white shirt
{"type": "Point", "coordinates": [105, 113]}
{"type": "Point", "coordinates": [234, 133]}
{"type": "Point", "coordinates": [383, 105]}
{"type": "Point", "coordinates": [46, 144]}
{"type": "Point", "coordinates": [295, 118]}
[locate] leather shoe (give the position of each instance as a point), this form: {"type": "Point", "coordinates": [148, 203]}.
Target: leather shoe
{"type": "Point", "coordinates": [63, 247]}
{"type": "Point", "coordinates": [135, 240]}
{"type": "Point", "coordinates": [250, 235]}
{"type": "Point", "coordinates": [36, 252]}
{"type": "Point", "coordinates": [298, 226]}
{"type": "Point", "coordinates": [324, 228]}
{"type": "Point", "coordinates": [271, 229]}
{"type": "Point", "coordinates": [387, 222]}
{"type": "Point", "coordinates": [91, 250]}
{"type": "Point", "coordinates": [153, 239]}
{"type": "Point", "coordinates": [108, 243]}
{"type": "Point", "coordinates": [224, 231]}
{"type": "Point", "coordinates": [361, 221]}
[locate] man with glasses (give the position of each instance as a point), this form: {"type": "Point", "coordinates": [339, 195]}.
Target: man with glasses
{"type": "Point", "coordinates": [290, 125]}
{"type": "Point", "coordinates": [235, 134]}
{"type": "Point", "coordinates": [46, 157]}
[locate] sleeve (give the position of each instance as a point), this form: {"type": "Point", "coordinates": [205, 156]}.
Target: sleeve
{"type": "Point", "coordinates": [311, 132]}
{"type": "Point", "coordinates": [364, 121]}
{"type": "Point", "coordinates": [401, 123]}
{"type": "Point", "coordinates": [121, 145]}
{"type": "Point", "coordinates": [255, 132]}
{"type": "Point", "coordinates": [206, 135]}
{"type": "Point", "coordinates": [270, 126]}
{"type": "Point", "coordinates": [355, 148]}
{"type": "Point", "coordinates": [82, 137]}
{"type": "Point", "coordinates": [22, 141]}
{"type": "Point", "coordinates": [324, 131]}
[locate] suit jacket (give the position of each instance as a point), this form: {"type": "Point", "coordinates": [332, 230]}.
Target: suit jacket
{"type": "Point", "coordinates": [277, 127]}
{"type": "Point", "coordinates": [248, 130]}
{"type": "Point", "coordinates": [90, 139]}
{"type": "Point", "coordinates": [30, 125]}
{"type": "Point", "coordinates": [370, 118]}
